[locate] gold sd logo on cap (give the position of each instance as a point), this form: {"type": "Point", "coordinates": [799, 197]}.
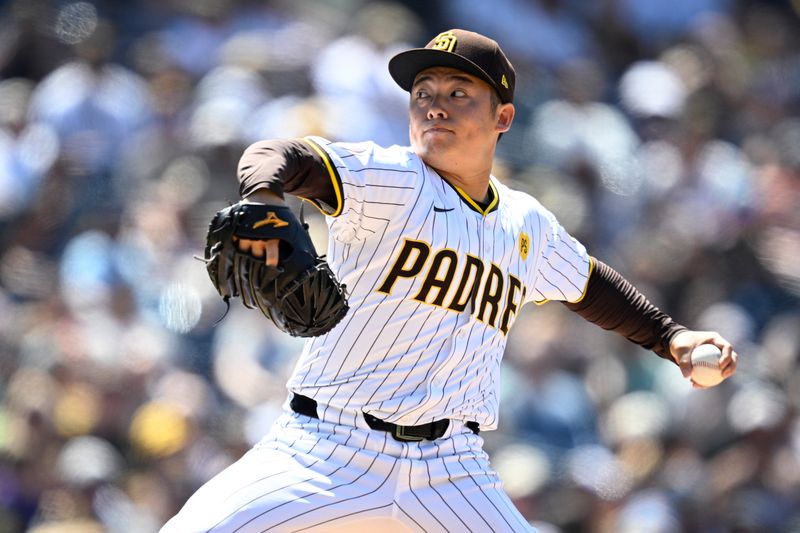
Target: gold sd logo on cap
{"type": "Point", "coordinates": [445, 41]}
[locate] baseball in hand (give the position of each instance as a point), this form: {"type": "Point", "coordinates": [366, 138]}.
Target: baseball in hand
{"type": "Point", "coordinates": [705, 365]}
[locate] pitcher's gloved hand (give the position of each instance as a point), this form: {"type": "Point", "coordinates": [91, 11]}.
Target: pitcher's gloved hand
{"type": "Point", "coordinates": [300, 295]}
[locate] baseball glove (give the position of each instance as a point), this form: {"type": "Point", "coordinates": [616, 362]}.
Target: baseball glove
{"type": "Point", "coordinates": [301, 296]}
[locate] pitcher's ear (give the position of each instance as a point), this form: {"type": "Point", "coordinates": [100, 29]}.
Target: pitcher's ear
{"type": "Point", "coordinates": [505, 116]}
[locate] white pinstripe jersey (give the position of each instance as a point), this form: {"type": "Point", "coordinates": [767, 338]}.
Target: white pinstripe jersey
{"type": "Point", "coordinates": [434, 281]}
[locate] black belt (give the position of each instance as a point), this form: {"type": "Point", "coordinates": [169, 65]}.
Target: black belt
{"type": "Point", "coordinates": [431, 431]}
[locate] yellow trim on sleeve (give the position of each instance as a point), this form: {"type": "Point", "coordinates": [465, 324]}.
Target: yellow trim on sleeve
{"type": "Point", "coordinates": [583, 295]}
{"type": "Point", "coordinates": [337, 187]}
{"type": "Point", "coordinates": [589, 275]}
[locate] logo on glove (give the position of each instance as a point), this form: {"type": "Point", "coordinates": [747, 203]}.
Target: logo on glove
{"type": "Point", "coordinates": [302, 297]}
{"type": "Point", "coordinates": [271, 220]}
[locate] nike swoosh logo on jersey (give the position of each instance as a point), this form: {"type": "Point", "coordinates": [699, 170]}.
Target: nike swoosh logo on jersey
{"type": "Point", "coordinates": [441, 209]}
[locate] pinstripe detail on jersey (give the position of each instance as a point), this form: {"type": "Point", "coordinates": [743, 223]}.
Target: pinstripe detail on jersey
{"type": "Point", "coordinates": [340, 501]}
{"type": "Point", "coordinates": [441, 498]}
{"type": "Point", "coordinates": [352, 514]}
{"type": "Point", "coordinates": [564, 266]}
{"type": "Point", "coordinates": [455, 475]}
{"type": "Point", "coordinates": [414, 353]}
{"type": "Point", "coordinates": [409, 376]}
{"type": "Point", "coordinates": [440, 352]}
{"type": "Point", "coordinates": [586, 284]}
{"type": "Point", "coordinates": [413, 341]}
{"type": "Point", "coordinates": [383, 360]}
{"type": "Point", "coordinates": [552, 279]}
{"type": "Point", "coordinates": [275, 488]}
{"type": "Point", "coordinates": [382, 169]}
{"type": "Point", "coordinates": [365, 185]}
{"type": "Point", "coordinates": [374, 202]}
{"type": "Point", "coordinates": [491, 502]}
{"type": "Point", "coordinates": [375, 387]}
{"type": "Point", "coordinates": [357, 324]}
{"type": "Point", "coordinates": [334, 176]}
{"type": "Point", "coordinates": [343, 335]}
{"type": "Point", "coordinates": [431, 314]}
{"type": "Point", "coordinates": [321, 461]}
{"type": "Point", "coordinates": [389, 375]}
{"type": "Point", "coordinates": [423, 379]}
{"type": "Point", "coordinates": [419, 390]}
{"type": "Point", "coordinates": [334, 249]}
{"type": "Point", "coordinates": [340, 475]}
{"type": "Point", "coordinates": [411, 518]}
{"type": "Point", "coordinates": [568, 261]}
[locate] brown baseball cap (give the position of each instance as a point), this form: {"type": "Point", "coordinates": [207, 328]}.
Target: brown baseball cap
{"type": "Point", "coordinates": [464, 50]}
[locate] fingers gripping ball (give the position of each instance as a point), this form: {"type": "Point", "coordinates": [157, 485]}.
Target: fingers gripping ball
{"type": "Point", "coordinates": [706, 370]}
{"type": "Point", "coordinates": [301, 295]}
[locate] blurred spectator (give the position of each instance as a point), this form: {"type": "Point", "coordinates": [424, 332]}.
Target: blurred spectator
{"type": "Point", "coordinates": [583, 138]}
{"type": "Point", "coordinates": [28, 149]}
{"type": "Point", "coordinates": [95, 107]}
{"type": "Point", "coordinates": [656, 24]}
{"type": "Point", "coordinates": [547, 32]}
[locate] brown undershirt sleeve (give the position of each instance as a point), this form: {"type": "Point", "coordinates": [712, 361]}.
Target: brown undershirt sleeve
{"type": "Point", "coordinates": [298, 167]}
{"type": "Point", "coordinates": [614, 304]}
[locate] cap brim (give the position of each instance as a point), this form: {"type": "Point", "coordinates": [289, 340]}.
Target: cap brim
{"type": "Point", "coordinates": [405, 66]}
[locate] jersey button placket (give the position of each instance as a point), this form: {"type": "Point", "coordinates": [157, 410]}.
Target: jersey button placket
{"type": "Point", "coordinates": [487, 242]}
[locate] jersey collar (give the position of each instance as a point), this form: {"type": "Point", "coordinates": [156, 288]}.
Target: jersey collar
{"type": "Point", "coordinates": [494, 199]}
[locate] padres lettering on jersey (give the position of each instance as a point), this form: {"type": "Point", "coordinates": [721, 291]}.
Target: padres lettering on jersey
{"type": "Point", "coordinates": [439, 280]}
{"type": "Point", "coordinates": [435, 284]}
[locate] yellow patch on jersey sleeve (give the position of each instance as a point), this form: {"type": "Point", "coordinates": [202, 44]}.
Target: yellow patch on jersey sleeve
{"type": "Point", "coordinates": [524, 245]}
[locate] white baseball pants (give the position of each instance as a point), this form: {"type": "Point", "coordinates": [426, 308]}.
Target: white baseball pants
{"type": "Point", "coordinates": [314, 476]}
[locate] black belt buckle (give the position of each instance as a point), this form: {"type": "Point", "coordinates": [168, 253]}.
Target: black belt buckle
{"type": "Point", "coordinates": [399, 433]}
{"type": "Point", "coordinates": [430, 431]}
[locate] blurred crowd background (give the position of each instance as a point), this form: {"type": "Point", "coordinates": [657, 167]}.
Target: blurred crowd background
{"type": "Point", "coordinates": [664, 134]}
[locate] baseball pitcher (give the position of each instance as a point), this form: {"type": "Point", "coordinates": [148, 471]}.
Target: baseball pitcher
{"type": "Point", "coordinates": [430, 259]}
